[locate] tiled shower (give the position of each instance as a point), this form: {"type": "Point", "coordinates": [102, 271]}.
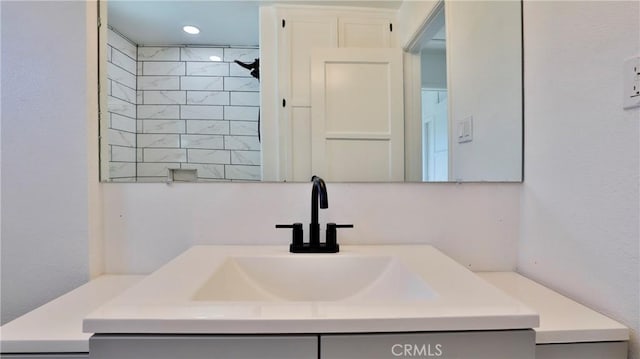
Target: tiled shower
{"type": "Point", "coordinates": [179, 107]}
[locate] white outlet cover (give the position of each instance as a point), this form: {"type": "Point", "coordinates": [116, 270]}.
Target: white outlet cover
{"type": "Point", "coordinates": [631, 82]}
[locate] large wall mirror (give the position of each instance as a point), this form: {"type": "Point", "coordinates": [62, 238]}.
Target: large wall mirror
{"type": "Point", "coordinates": [196, 105]}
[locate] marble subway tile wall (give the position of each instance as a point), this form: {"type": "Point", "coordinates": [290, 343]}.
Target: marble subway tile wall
{"type": "Point", "coordinates": [122, 100]}
{"type": "Point", "coordinates": [197, 113]}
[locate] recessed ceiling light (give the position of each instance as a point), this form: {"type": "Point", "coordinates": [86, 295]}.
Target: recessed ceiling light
{"type": "Point", "coordinates": [191, 30]}
{"type": "Point", "coordinates": [215, 58]}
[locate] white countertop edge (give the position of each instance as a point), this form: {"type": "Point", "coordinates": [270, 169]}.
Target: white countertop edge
{"type": "Point", "coordinates": [56, 327]}
{"type": "Point", "coordinates": [581, 336]}
{"type": "Point", "coordinates": [562, 320]}
{"type": "Point", "coordinates": [308, 326]}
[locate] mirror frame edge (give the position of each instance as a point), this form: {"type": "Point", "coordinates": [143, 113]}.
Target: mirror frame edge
{"type": "Point", "coordinates": [103, 127]}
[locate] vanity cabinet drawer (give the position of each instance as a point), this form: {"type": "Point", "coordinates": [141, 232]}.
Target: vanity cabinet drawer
{"type": "Point", "coordinates": [107, 346]}
{"type": "Point", "coordinates": [519, 344]}
{"type": "Point", "coordinates": [599, 350]}
{"type": "Point", "coordinates": [46, 356]}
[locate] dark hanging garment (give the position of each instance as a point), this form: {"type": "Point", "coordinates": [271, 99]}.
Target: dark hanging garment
{"type": "Point", "coordinates": [254, 67]}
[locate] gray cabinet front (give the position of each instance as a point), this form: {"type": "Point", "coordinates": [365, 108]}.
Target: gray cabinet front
{"type": "Point", "coordinates": [45, 356]}
{"type": "Point", "coordinates": [107, 346]}
{"type": "Point", "coordinates": [598, 350]}
{"type": "Point", "coordinates": [519, 344]}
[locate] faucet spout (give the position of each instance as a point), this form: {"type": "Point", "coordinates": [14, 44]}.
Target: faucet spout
{"type": "Point", "coordinates": [319, 198]}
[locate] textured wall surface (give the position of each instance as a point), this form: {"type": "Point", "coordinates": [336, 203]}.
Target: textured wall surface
{"type": "Point", "coordinates": [45, 168]}
{"type": "Point", "coordinates": [580, 203]}
{"type": "Point", "coordinates": [148, 224]}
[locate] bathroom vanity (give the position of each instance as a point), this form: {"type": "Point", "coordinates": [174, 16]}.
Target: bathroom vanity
{"type": "Point", "coordinates": [264, 302]}
{"type": "Point", "coordinates": [567, 330]}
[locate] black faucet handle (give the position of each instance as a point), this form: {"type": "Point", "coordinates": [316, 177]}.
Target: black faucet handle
{"type": "Point", "coordinates": [297, 233]}
{"type": "Point", "coordinates": [332, 235]}
{"type": "Point", "coordinates": [339, 225]}
{"type": "Point", "coordinates": [296, 225]}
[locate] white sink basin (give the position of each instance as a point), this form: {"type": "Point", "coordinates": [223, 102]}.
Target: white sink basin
{"type": "Point", "coordinates": [266, 289]}
{"type": "Point", "coordinates": [312, 278]}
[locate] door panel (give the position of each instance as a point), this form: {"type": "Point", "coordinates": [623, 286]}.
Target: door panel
{"type": "Point", "coordinates": [300, 36]}
{"type": "Point", "coordinates": [362, 134]}
{"type": "Point", "coordinates": [362, 162]}
{"type": "Point", "coordinates": [362, 32]}
{"type": "Point", "coordinates": [348, 111]}
{"type": "Point", "coordinates": [301, 143]}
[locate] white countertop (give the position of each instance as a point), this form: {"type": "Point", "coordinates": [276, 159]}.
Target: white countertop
{"type": "Point", "coordinates": [163, 302]}
{"type": "Point", "coordinates": [562, 320]}
{"type": "Point", "coordinates": [57, 326]}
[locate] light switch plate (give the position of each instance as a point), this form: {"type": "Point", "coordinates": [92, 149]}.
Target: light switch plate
{"type": "Point", "coordinates": [631, 81]}
{"type": "Point", "coordinates": [465, 130]}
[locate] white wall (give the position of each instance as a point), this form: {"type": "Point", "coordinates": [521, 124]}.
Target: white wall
{"type": "Point", "coordinates": [49, 184]}
{"type": "Point", "coordinates": [580, 198]}
{"type": "Point", "coordinates": [485, 82]}
{"type": "Point", "coordinates": [148, 224]}
{"type": "Point", "coordinates": [412, 15]}
{"type": "Point", "coordinates": [434, 69]}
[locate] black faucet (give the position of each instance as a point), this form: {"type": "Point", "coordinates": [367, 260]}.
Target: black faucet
{"type": "Point", "coordinates": [318, 192]}
{"type": "Point", "coordinates": [319, 199]}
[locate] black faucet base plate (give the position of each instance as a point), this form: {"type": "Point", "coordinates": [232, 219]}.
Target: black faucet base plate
{"type": "Point", "coordinates": [307, 248]}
